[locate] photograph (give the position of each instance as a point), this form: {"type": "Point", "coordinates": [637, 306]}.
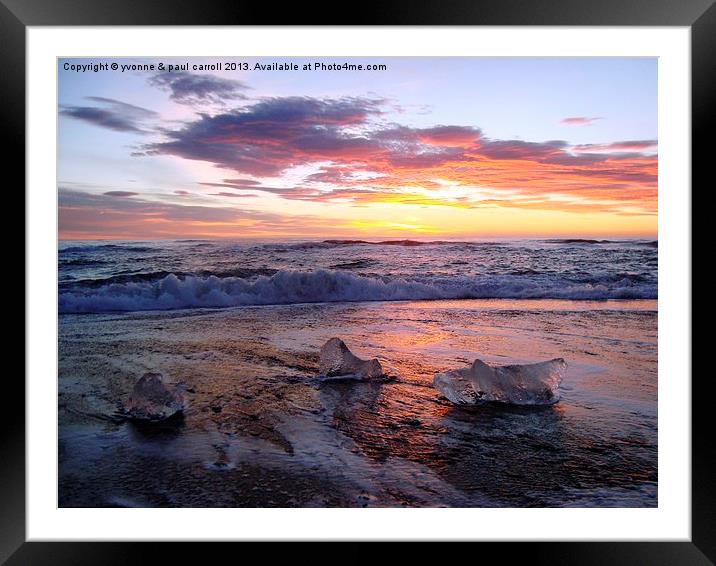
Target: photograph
{"type": "Point", "coordinates": [357, 282]}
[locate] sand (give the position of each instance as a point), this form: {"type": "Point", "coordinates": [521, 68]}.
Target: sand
{"type": "Point", "coordinates": [261, 430]}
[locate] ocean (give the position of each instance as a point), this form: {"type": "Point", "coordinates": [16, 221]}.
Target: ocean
{"type": "Point", "coordinates": [240, 324]}
{"type": "Point", "coordinates": [124, 276]}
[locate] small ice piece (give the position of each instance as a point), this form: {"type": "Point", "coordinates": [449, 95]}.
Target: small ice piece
{"type": "Point", "coordinates": [527, 384]}
{"type": "Point", "coordinates": [152, 400]}
{"type": "Point", "coordinates": [337, 360]}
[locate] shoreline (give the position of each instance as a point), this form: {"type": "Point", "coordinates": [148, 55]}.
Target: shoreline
{"type": "Point", "coordinates": [527, 304]}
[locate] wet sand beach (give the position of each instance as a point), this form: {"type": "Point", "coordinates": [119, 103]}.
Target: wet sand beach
{"type": "Point", "coordinates": [261, 430]}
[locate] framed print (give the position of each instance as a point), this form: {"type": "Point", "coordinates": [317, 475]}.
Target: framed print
{"type": "Point", "coordinates": [422, 275]}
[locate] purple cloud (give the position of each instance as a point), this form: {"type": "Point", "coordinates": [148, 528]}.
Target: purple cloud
{"type": "Point", "coordinates": [634, 146]}
{"type": "Point", "coordinates": [120, 194]}
{"type": "Point", "coordinates": [188, 88]}
{"type": "Point", "coordinates": [112, 114]}
{"type": "Point", "coordinates": [273, 134]}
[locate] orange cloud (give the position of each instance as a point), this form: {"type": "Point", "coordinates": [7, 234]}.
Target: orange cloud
{"type": "Point", "coordinates": [444, 165]}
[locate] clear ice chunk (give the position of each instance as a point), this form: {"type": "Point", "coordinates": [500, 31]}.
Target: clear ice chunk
{"type": "Point", "coordinates": [337, 360]}
{"type": "Point", "coordinates": [153, 400]}
{"type": "Point", "coordinates": [526, 384]}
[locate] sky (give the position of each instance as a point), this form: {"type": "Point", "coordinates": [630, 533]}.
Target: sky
{"type": "Point", "coordinates": [422, 148]}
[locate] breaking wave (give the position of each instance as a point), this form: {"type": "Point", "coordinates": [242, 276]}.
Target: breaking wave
{"type": "Point", "coordinates": [290, 287]}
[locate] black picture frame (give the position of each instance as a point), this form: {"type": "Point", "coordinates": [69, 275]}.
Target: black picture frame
{"type": "Point", "coordinates": [16, 15]}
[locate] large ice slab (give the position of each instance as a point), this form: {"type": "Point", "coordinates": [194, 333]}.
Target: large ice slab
{"type": "Point", "coordinates": [336, 360]}
{"type": "Point", "coordinates": [525, 384]}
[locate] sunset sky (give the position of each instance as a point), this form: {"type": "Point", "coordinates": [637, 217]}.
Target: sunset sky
{"type": "Point", "coordinates": [430, 147]}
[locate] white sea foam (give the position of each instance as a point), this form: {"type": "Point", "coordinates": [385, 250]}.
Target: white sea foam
{"type": "Point", "coordinates": [288, 287]}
